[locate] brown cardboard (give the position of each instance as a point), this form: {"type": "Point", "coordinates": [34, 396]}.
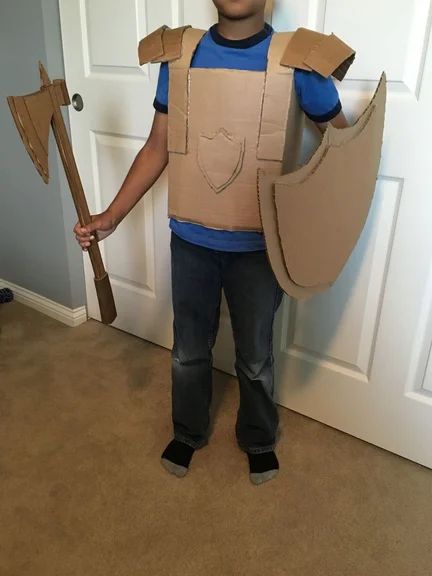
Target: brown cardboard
{"type": "Point", "coordinates": [326, 54]}
{"type": "Point", "coordinates": [234, 205]}
{"type": "Point", "coordinates": [320, 210]}
{"type": "Point", "coordinates": [273, 244]}
{"type": "Point", "coordinates": [220, 158]}
{"type": "Point", "coordinates": [217, 141]}
{"type": "Point", "coordinates": [220, 144]}
{"type": "Point", "coordinates": [33, 115]}
{"type": "Point", "coordinates": [179, 92]}
{"type": "Point", "coordinates": [172, 43]}
{"type": "Point", "coordinates": [162, 45]}
{"type": "Point", "coordinates": [301, 43]}
{"type": "Point", "coordinates": [274, 113]}
{"type": "Point", "coordinates": [329, 56]}
{"type": "Point", "coordinates": [151, 47]}
{"type": "Point", "coordinates": [294, 135]}
{"type": "Point", "coordinates": [178, 106]}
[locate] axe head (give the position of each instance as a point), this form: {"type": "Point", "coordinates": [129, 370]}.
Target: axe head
{"type": "Point", "coordinates": [32, 114]}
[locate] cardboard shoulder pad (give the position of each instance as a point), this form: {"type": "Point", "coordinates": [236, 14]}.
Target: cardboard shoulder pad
{"type": "Point", "coordinates": [325, 54]}
{"type": "Point", "coordinates": [162, 45]}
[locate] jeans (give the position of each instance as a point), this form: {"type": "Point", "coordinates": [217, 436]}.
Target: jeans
{"type": "Point", "coordinates": [198, 276]}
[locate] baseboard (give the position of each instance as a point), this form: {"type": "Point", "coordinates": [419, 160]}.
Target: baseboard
{"type": "Point", "coordinates": [69, 316]}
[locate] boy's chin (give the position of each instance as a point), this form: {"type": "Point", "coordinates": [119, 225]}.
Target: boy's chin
{"type": "Point", "coordinates": [235, 14]}
{"type": "Point", "coordinates": [238, 9]}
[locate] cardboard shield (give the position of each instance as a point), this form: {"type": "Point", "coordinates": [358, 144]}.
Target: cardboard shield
{"type": "Point", "coordinates": [313, 217]}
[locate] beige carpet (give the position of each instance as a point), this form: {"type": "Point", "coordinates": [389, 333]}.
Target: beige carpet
{"type": "Point", "coordinates": [85, 414]}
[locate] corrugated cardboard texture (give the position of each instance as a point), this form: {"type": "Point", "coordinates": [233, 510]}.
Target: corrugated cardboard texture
{"type": "Point", "coordinates": [220, 158]}
{"type": "Point", "coordinates": [162, 45]}
{"type": "Point", "coordinates": [274, 109]}
{"type": "Point", "coordinates": [216, 109]}
{"type": "Point", "coordinates": [321, 209]}
{"type": "Point", "coordinates": [179, 92]}
{"type": "Point", "coordinates": [273, 244]}
{"type": "Point", "coordinates": [151, 47]}
{"type": "Point", "coordinates": [172, 43]}
{"type": "Point", "coordinates": [217, 141]}
{"type": "Point", "coordinates": [32, 115]}
{"type": "Point", "coordinates": [310, 50]}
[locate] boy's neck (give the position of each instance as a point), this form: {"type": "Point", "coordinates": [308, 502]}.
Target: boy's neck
{"type": "Point", "coordinates": [240, 29]}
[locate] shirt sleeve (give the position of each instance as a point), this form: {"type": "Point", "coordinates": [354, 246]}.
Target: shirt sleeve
{"type": "Point", "coordinates": [161, 100]}
{"type": "Point", "coordinates": [318, 96]}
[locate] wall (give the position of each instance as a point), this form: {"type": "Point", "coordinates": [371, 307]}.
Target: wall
{"type": "Point", "coordinates": [37, 248]}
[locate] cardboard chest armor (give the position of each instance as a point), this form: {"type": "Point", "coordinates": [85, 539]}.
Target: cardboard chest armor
{"type": "Point", "coordinates": [233, 141]}
{"type": "Point", "coordinates": [231, 123]}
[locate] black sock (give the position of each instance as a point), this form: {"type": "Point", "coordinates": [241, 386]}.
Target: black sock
{"type": "Point", "coordinates": [176, 457]}
{"type": "Point", "coordinates": [262, 467]}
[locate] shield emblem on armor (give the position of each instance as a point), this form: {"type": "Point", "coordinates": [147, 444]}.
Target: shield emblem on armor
{"type": "Point", "coordinates": [220, 158]}
{"type": "Point", "coordinates": [313, 217]}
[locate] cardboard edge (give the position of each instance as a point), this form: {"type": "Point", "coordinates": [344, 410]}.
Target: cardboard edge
{"type": "Point", "coordinates": [236, 169]}
{"type": "Point", "coordinates": [298, 48]}
{"type": "Point", "coordinates": [172, 40]}
{"type": "Point", "coordinates": [273, 244]}
{"type": "Point", "coordinates": [150, 48]}
{"type": "Point", "coordinates": [41, 165]}
{"type": "Point", "coordinates": [278, 94]}
{"type": "Point", "coordinates": [326, 54]}
{"type": "Point", "coordinates": [332, 57]}
{"type": "Point", "coordinates": [335, 137]}
{"type": "Point", "coordinates": [162, 45]}
{"type": "Point", "coordinates": [370, 134]}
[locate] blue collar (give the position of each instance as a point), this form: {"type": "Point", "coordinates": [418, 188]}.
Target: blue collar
{"type": "Point", "coordinates": [244, 42]}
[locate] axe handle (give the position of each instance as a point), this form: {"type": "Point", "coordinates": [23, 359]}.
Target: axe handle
{"type": "Point", "coordinates": [102, 282]}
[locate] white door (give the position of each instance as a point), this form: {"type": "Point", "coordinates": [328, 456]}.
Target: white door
{"type": "Point", "coordinates": [100, 42]}
{"type": "Point", "coordinates": [356, 357]}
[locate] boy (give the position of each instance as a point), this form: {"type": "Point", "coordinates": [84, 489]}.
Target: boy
{"type": "Point", "coordinates": [206, 259]}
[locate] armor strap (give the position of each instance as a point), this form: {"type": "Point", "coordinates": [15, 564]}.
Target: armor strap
{"type": "Point", "coordinates": [276, 101]}
{"type": "Point", "coordinates": [178, 98]}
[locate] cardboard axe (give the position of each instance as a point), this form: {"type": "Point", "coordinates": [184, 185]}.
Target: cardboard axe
{"type": "Point", "coordinates": [33, 114]}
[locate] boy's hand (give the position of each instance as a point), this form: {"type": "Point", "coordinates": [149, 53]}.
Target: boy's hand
{"type": "Point", "coordinates": [101, 226]}
{"type": "Point", "coordinates": [338, 121]}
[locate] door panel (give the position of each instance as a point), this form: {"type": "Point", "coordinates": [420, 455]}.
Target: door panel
{"type": "Point", "coordinates": [356, 357]}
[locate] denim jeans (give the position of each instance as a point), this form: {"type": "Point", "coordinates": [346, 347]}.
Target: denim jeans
{"type": "Point", "coordinates": [198, 276]}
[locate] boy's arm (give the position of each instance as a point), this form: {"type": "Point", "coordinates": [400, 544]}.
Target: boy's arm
{"type": "Point", "coordinates": [148, 165]}
{"type": "Point", "coordinates": [319, 99]}
{"type": "Point", "coordinates": [339, 121]}
{"type": "Point", "coordinates": [152, 158]}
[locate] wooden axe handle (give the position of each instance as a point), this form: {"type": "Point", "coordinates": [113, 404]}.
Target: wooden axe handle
{"type": "Point", "coordinates": [102, 282]}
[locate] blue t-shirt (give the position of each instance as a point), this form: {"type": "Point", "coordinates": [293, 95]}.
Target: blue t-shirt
{"type": "Point", "coordinates": [317, 96]}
